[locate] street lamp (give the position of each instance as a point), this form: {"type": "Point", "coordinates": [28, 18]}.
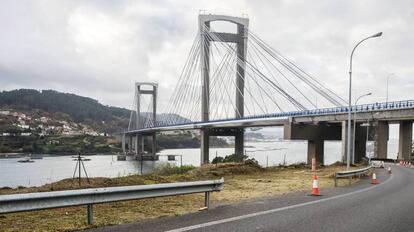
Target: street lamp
{"type": "Point", "coordinates": [348, 153]}
{"type": "Point", "coordinates": [353, 139]}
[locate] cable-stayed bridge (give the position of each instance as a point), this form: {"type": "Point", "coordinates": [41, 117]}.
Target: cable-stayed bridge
{"type": "Point", "coordinates": [233, 80]}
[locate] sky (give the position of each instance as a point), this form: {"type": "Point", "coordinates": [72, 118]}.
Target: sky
{"type": "Point", "coordinates": [99, 49]}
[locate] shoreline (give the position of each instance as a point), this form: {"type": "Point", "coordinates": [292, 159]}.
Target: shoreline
{"type": "Point", "coordinates": [24, 154]}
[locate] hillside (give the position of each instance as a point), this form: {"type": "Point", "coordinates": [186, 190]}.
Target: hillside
{"type": "Point", "coordinates": [69, 107]}
{"type": "Point", "coordinates": [48, 121]}
{"type": "Point", "coordinates": [66, 106]}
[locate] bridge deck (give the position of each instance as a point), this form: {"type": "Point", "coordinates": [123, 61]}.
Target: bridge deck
{"type": "Point", "coordinates": [397, 110]}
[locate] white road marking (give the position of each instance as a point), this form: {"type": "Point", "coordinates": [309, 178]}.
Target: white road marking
{"type": "Point", "coordinates": [188, 228]}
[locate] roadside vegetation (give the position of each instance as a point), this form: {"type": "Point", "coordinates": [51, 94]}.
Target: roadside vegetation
{"type": "Point", "coordinates": [243, 181]}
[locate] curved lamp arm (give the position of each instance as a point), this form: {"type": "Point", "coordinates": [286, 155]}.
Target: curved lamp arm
{"type": "Point", "coordinates": [353, 50]}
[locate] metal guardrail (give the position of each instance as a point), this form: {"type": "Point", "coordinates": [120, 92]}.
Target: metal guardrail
{"type": "Point", "coordinates": [351, 173]}
{"type": "Point", "coordinates": [385, 160]}
{"type": "Point", "coordinates": [59, 199]}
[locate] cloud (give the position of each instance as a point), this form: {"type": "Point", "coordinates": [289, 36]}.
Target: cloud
{"type": "Point", "coordinates": [100, 48]}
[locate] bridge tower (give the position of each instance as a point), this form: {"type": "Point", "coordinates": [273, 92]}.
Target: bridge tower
{"type": "Point", "coordinates": [139, 90]}
{"type": "Point", "coordinates": [240, 39]}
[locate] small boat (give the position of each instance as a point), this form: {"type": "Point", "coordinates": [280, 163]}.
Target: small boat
{"type": "Point", "coordinates": [26, 160]}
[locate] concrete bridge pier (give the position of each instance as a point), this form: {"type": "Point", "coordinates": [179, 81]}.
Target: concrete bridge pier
{"type": "Point", "coordinates": [316, 134]}
{"type": "Point", "coordinates": [238, 134]}
{"type": "Point", "coordinates": [129, 143]}
{"type": "Point", "coordinates": [381, 139]}
{"type": "Point", "coordinates": [205, 145]}
{"type": "Point", "coordinates": [405, 140]}
{"type": "Point", "coordinates": [137, 144]}
{"type": "Point", "coordinates": [360, 142]}
{"type": "Point", "coordinates": [123, 143]}
{"type": "Point", "coordinates": [140, 143]}
{"type": "Point", "coordinates": [153, 144]}
{"type": "Point", "coordinates": [316, 150]}
{"type": "Point", "coordinates": [239, 142]}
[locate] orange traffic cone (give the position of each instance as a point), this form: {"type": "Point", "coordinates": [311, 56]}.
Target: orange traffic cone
{"type": "Point", "coordinates": [374, 179]}
{"type": "Point", "coordinates": [315, 189]}
{"type": "Point", "coordinates": [389, 170]}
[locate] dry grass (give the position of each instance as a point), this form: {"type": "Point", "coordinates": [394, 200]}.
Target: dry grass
{"type": "Point", "coordinates": [241, 182]}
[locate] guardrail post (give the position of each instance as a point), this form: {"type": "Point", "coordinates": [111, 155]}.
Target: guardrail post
{"type": "Point", "coordinates": [207, 200]}
{"type": "Point", "coordinates": [89, 213]}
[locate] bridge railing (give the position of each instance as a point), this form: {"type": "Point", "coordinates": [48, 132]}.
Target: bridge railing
{"type": "Point", "coordinates": [404, 104]}
{"type": "Point", "coordinates": [58, 199]}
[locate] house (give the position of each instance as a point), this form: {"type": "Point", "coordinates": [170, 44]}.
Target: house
{"type": "Point", "coordinates": [23, 126]}
{"type": "Point", "coordinates": [44, 119]}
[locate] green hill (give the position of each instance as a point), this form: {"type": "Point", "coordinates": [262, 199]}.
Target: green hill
{"type": "Point", "coordinates": [43, 121]}
{"type": "Point", "coordinates": [79, 108]}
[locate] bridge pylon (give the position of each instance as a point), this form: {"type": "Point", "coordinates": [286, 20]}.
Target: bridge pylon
{"type": "Point", "coordinates": [240, 39]}
{"type": "Point", "coordinates": [136, 142]}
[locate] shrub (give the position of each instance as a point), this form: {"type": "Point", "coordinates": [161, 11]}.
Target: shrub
{"type": "Point", "coordinates": [233, 158]}
{"type": "Point", "coordinates": [217, 160]}
{"type": "Point", "coordinates": [170, 169]}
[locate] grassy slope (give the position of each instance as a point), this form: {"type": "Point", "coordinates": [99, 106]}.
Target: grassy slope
{"type": "Point", "coordinates": [241, 182]}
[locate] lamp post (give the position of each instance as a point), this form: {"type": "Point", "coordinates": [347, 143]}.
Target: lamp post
{"type": "Point", "coordinates": [353, 138]}
{"type": "Point", "coordinates": [348, 153]}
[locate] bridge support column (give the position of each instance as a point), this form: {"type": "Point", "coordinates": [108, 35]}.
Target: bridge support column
{"type": "Point", "coordinates": [130, 143]}
{"type": "Point", "coordinates": [141, 143]}
{"type": "Point", "coordinates": [205, 143]}
{"type": "Point", "coordinates": [137, 144]}
{"type": "Point", "coordinates": [316, 150]}
{"type": "Point", "coordinates": [239, 142]}
{"type": "Point", "coordinates": [154, 144]}
{"type": "Point", "coordinates": [123, 143]}
{"type": "Point", "coordinates": [381, 139]}
{"type": "Point", "coordinates": [360, 142]}
{"type": "Point", "coordinates": [405, 140]}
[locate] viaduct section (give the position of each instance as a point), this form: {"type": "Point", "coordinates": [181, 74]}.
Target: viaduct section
{"type": "Point", "coordinates": [369, 126]}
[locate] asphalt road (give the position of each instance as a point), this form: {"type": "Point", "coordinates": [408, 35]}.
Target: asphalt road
{"type": "Point", "coordinates": [388, 206]}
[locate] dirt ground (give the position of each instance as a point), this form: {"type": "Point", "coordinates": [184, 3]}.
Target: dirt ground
{"type": "Point", "coordinates": [242, 182]}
